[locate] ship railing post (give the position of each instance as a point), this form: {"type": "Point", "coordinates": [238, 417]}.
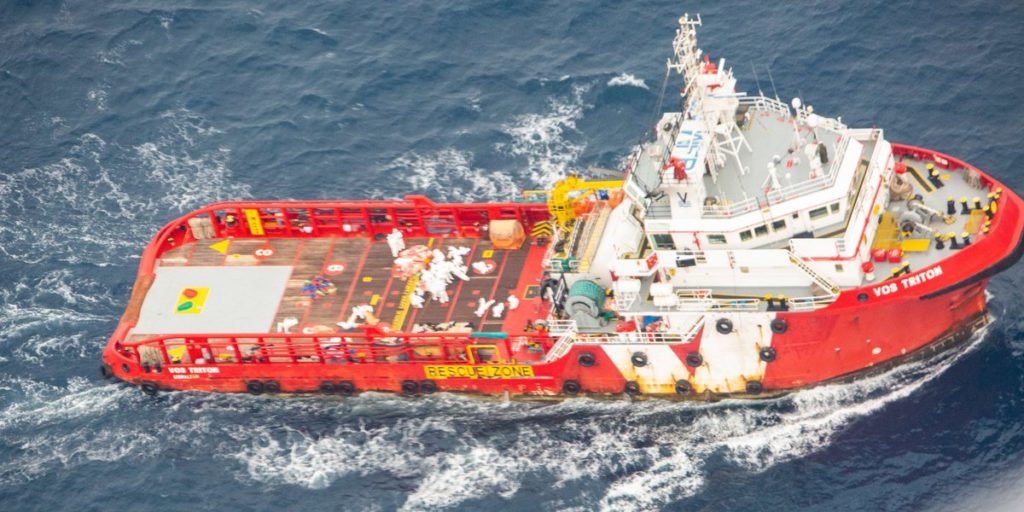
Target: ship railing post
{"type": "Point", "coordinates": [163, 351]}
{"type": "Point", "coordinates": [318, 348]}
{"type": "Point", "coordinates": [234, 348]}
{"type": "Point", "coordinates": [264, 354]}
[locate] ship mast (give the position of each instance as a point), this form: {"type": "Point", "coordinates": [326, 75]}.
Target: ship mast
{"type": "Point", "coordinates": [702, 77]}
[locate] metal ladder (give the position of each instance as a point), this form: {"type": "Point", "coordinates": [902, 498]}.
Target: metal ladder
{"type": "Point", "coordinates": [821, 281]}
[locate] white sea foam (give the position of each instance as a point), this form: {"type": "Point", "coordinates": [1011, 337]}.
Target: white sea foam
{"type": "Point", "coordinates": [652, 452]}
{"type": "Point", "coordinates": [541, 138]}
{"type": "Point", "coordinates": [43, 318]}
{"type": "Point", "coordinates": [627, 80]}
{"type": "Point", "coordinates": [449, 174]}
{"type": "Point", "coordinates": [101, 214]}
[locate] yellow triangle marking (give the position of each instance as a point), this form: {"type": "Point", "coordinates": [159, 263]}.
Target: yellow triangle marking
{"type": "Point", "coordinates": [221, 247]}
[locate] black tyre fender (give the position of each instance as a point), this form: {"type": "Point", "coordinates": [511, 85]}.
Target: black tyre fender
{"type": "Point", "coordinates": [428, 387]}
{"type": "Point", "coordinates": [723, 325]}
{"type": "Point", "coordinates": [410, 387]}
{"type": "Point", "coordinates": [346, 388]}
{"type": "Point", "coordinates": [571, 387]}
{"type": "Point", "coordinates": [767, 354]}
{"type": "Point", "coordinates": [683, 387]}
{"type": "Point", "coordinates": [632, 388]}
{"type": "Point", "coordinates": [779, 326]}
{"type": "Point", "coordinates": [328, 388]}
{"type": "Point", "coordinates": [272, 386]}
{"type": "Point", "coordinates": [694, 359]}
{"type": "Point", "coordinates": [639, 359]}
{"type": "Point", "coordinates": [586, 359]}
{"type": "Point", "coordinates": [106, 371]}
{"type": "Point", "coordinates": [254, 387]}
{"type": "Point", "coordinates": [149, 388]}
{"type": "Point", "coordinates": [754, 387]}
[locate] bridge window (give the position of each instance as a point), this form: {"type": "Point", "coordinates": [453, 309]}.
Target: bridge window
{"type": "Point", "coordinates": [664, 242]}
{"type": "Point", "coordinates": [834, 207]}
{"type": "Point", "coordinates": [745, 235]}
{"type": "Point", "coordinates": [716, 239]}
{"type": "Point", "coordinates": [818, 213]}
{"type": "Point", "coordinates": [761, 230]}
{"type": "Point", "coordinates": [779, 225]}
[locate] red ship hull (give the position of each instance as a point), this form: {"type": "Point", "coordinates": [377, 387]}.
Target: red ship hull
{"type": "Point", "coordinates": [865, 329]}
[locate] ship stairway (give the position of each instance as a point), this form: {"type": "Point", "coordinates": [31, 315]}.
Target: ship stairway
{"type": "Point", "coordinates": [591, 237]}
{"type": "Point", "coordinates": [566, 331]}
{"type": "Point", "coordinates": [819, 279]}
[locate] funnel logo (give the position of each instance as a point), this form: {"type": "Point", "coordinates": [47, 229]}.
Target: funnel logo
{"type": "Point", "coordinates": [191, 300]}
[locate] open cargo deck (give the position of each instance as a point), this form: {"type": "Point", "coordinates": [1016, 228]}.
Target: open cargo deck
{"type": "Point", "coordinates": [264, 286]}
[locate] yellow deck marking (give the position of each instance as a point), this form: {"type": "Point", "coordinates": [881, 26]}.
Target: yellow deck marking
{"type": "Point", "coordinates": [367, 279]}
{"type": "Point", "coordinates": [886, 236]}
{"type": "Point", "coordinates": [488, 253]}
{"type": "Point", "coordinates": [974, 221]}
{"type": "Point", "coordinates": [915, 245]}
{"type": "Point", "coordinates": [375, 299]}
{"type": "Point", "coordinates": [255, 223]}
{"type": "Point", "coordinates": [403, 305]}
{"type": "Point", "coordinates": [221, 247]}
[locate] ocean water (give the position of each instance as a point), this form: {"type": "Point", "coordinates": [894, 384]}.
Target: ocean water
{"type": "Point", "coordinates": [118, 116]}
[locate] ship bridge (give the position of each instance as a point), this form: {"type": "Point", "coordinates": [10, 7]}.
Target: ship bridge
{"type": "Point", "coordinates": [747, 203]}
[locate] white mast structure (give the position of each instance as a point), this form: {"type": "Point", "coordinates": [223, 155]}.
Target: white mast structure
{"type": "Point", "coordinates": [717, 111]}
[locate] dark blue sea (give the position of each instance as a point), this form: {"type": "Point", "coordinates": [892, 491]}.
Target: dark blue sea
{"type": "Point", "coordinates": [118, 116]}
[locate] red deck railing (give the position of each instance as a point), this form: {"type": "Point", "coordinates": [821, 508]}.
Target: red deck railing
{"type": "Point", "coordinates": [416, 216]}
{"type": "Point", "coordinates": [340, 348]}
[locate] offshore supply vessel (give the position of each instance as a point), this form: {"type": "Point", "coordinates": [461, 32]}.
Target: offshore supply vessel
{"type": "Point", "coordinates": [750, 247]}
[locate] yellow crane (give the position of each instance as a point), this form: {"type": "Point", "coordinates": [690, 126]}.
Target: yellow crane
{"type": "Point", "coordinates": [567, 192]}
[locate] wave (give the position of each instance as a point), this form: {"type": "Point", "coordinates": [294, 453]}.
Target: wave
{"type": "Point", "coordinates": [451, 449]}
{"type": "Point", "coordinates": [50, 316]}
{"type": "Point", "coordinates": [547, 141]}
{"type": "Point", "coordinates": [112, 198]}
{"type": "Point", "coordinates": [449, 174]}
{"type": "Point", "coordinates": [627, 80]}
{"type": "Point", "coordinates": [641, 455]}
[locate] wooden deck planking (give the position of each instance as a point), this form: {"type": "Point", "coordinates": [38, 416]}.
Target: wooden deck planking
{"type": "Point", "coordinates": [347, 252]}
{"type": "Point", "coordinates": [366, 275]}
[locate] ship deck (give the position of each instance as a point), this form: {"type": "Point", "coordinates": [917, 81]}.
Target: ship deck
{"type": "Point", "coordinates": [264, 285]}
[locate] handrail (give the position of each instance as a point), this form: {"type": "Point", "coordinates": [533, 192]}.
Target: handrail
{"type": "Point", "coordinates": [362, 347]}
{"type": "Point", "coordinates": [824, 283]}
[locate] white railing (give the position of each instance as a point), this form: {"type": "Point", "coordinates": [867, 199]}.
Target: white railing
{"type": "Point", "coordinates": [766, 104]}
{"type": "Point", "coordinates": [566, 330]}
{"type": "Point", "coordinates": [810, 303]}
{"type": "Point", "coordinates": [724, 211]}
{"type": "Point", "coordinates": [789, 191]}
